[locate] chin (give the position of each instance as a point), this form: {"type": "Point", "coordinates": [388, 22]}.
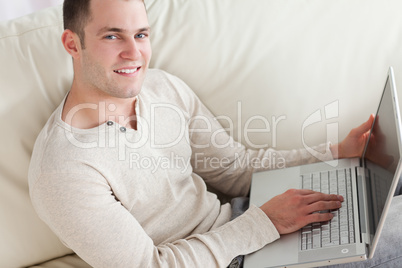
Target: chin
{"type": "Point", "coordinates": [130, 94]}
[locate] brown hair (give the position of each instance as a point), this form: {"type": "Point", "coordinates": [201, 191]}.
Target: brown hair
{"type": "Point", "coordinates": [76, 14]}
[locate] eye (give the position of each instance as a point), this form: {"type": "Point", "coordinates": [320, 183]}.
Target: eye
{"type": "Point", "coordinates": [110, 37]}
{"type": "Point", "coordinates": [141, 36]}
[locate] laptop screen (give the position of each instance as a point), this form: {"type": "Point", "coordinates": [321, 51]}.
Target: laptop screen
{"type": "Point", "coordinates": [382, 155]}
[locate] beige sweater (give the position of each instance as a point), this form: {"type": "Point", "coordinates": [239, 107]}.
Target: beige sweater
{"type": "Point", "coordinates": [139, 198]}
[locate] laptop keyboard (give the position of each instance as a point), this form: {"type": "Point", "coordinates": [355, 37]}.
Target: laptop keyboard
{"type": "Point", "coordinates": [340, 230]}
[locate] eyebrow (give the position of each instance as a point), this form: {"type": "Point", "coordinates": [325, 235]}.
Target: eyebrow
{"type": "Point", "coordinates": [120, 30]}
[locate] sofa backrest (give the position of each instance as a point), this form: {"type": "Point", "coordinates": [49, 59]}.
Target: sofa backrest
{"type": "Point", "coordinates": [268, 64]}
{"type": "Point", "coordinates": [264, 66]}
{"type": "Point", "coordinates": [34, 76]}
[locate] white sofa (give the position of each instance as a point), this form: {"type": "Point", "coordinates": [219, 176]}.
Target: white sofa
{"type": "Point", "coordinates": [263, 66]}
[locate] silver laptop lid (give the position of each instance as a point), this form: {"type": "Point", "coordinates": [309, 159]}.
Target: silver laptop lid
{"type": "Point", "coordinates": [382, 158]}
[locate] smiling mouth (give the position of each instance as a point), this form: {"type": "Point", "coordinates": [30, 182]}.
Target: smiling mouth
{"type": "Point", "coordinates": [127, 71]}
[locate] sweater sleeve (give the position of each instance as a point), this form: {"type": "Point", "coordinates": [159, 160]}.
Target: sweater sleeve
{"type": "Point", "coordinates": [225, 164]}
{"type": "Point", "coordinates": [83, 212]}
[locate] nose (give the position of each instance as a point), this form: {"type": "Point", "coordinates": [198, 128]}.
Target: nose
{"type": "Point", "coordinates": [131, 50]}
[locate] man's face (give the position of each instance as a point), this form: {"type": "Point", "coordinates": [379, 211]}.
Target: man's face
{"type": "Point", "coordinates": [117, 48]}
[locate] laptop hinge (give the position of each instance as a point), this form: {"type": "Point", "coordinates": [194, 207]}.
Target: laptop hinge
{"type": "Point", "coordinates": [362, 178]}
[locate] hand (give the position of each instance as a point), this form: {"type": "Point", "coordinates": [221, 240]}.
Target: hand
{"type": "Point", "coordinates": [295, 209]}
{"type": "Point", "coordinates": [353, 144]}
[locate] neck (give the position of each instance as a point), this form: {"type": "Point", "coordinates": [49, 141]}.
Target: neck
{"type": "Point", "coordinates": [84, 111]}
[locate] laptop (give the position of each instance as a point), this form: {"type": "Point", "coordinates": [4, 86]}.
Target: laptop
{"type": "Point", "coordinates": [367, 184]}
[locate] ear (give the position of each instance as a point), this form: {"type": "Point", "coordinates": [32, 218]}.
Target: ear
{"type": "Point", "coordinates": [71, 43]}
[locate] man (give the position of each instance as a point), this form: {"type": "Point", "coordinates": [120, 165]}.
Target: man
{"type": "Point", "coordinates": [120, 170]}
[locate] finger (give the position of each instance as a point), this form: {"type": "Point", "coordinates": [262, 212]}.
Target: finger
{"type": "Point", "coordinates": [317, 196]}
{"type": "Point", "coordinates": [311, 193]}
{"type": "Point", "coordinates": [366, 126]}
{"type": "Point", "coordinates": [323, 206]}
{"type": "Point", "coordinates": [319, 217]}
{"type": "Point", "coordinates": [305, 191]}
